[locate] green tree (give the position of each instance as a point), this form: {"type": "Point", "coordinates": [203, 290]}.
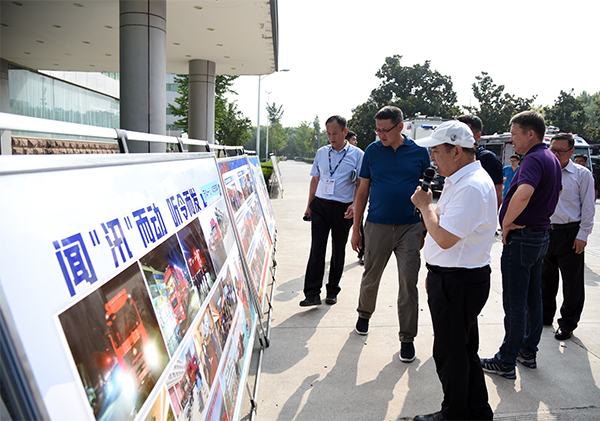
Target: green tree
{"type": "Point", "coordinates": [277, 134]}
{"type": "Point", "coordinates": [496, 107]}
{"type": "Point", "coordinates": [591, 105]}
{"type": "Point", "coordinates": [303, 139]}
{"type": "Point", "coordinates": [182, 101]}
{"type": "Point", "coordinates": [415, 90]}
{"type": "Point", "coordinates": [233, 129]}
{"type": "Point", "coordinates": [567, 113]}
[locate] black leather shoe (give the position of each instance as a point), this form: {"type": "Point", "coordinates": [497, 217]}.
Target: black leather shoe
{"type": "Point", "coordinates": [313, 300]}
{"type": "Point", "coordinates": [436, 416]}
{"type": "Point", "coordinates": [331, 299]}
{"type": "Point", "coordinates": [562, 334]}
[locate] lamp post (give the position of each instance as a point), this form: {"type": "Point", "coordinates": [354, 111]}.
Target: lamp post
{"type": "Point", "coordinates": [258, 114]}
{"type": "Point", "coordinates": [267, 142]}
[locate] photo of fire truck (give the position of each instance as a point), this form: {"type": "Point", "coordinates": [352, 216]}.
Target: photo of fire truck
{"type": "Point", "coordinates": [178, 291]}
{"type": "Point", "coordinates": [129, 340]}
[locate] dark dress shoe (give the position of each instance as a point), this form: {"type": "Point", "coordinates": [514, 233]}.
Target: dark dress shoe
{"type": "Point", "coordinates": [331, 299]}
{"type": "Point", "coordinates": [313, 300]}
{"type": "Point", "coordinates": [436, 416]}
{"type": "Point", "coordinates": [562, 334]}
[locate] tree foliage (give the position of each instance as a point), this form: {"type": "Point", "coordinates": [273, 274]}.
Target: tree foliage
{"type": "Point", "coordinates": [567, 113]}
{"type": "Point", "coordinates": [182, 101]}
{"type": "Point", "coordinates": [496, 107]}
{"type": "Point", "coordinates": [276, 133]}
{"type": "Point", "coordinates": [415, 90]}
{"type": "Point", "coordinates": [301, 138]}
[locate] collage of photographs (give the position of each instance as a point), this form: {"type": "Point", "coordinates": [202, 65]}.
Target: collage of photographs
{"type": "Point", "coordinates": [245, 203]}
{"type": "Point", "coordinates": [167, 338]}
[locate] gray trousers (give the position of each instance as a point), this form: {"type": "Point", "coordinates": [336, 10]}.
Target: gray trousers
{"type": "Point", "coordinates": [404, 242]}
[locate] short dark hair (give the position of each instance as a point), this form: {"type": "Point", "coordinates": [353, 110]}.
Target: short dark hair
{"type": "Point", "coordinates": [389, 112]}
{"type": "Point", "coordinates": [341, 121]}
{"type": "Point", "coordinates": [350, 135]}
{"type": "Point", "coordinates": [531, 120]}
{"type": "Point", "coordinates": [581, 155]}
{"type": "Point", "coordinates": [565, 136]}
{"type": "Point", "coordinates": [473, 121]}
{"type": "Point", "coordinates": [515, 156]}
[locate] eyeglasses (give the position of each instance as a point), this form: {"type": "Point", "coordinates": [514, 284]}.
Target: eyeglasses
{"type": "Point", "coordinates": [383, 131]}
{"type": "Point", "coordinates": [558, 152]}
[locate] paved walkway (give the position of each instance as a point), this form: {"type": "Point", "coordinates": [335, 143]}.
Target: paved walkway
{"type": "Point", "coordinates": [318, 368]}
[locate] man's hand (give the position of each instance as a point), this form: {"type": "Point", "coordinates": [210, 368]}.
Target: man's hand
{"type": "Point", "coordinates": [421, 198]}
{"type": "Point", "coordinates": [307, 211]}
{"type": "Point", "coordinates": [508, 228]}
{"type": "Point", "coordinates": [349, 212]}
{"type": "Point", "coordinates": [356, 240]}
{"type": "Point", "coordinates": [579, 246]}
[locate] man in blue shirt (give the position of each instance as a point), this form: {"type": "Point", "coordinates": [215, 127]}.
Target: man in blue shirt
{"type": "Point", "coordinates": [509, 172]}
{"type": "Point", "coordinates": [390, 173]}
{"type": "Point", "coordinates": [331, 193]}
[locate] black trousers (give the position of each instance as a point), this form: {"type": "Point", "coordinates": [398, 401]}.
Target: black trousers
{"type": "Point", "coordinates": [326, 216]}
{"type": "Point", "coordinates": [455, 298]}
{"type": "Point", "coordinates": [561, 256]}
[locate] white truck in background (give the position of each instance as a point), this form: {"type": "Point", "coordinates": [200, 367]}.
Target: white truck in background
{"type": "Point", "coordinates": [501, 145]}
{"type": "Point", "coordinates": [421, 126]}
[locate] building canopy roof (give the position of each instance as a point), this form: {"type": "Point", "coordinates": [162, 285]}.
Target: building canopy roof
{"type": "Point", "coordinates": [240, 36]}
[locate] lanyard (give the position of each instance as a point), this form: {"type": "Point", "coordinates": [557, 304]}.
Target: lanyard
{"type": "Point", "coordinates": [331, 172]}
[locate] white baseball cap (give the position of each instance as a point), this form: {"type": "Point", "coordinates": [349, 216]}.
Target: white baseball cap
{"type": "Point", "coordinates": [452, 132]}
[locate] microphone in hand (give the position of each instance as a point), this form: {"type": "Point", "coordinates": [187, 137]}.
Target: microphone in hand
{"type": "Point", "coordinates": [425, 183]}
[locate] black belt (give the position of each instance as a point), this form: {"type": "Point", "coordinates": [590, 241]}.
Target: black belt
{"type": "Point", "coordinates": [440, 269]}
{"type": "Point", "coordinates": [333, 201]}
{"type": "Point", "coordinates": [527, 229]}
{"type": "Point", "coordinates": [559, 227]}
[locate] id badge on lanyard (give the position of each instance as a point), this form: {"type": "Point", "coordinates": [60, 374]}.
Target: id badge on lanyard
{"type": "Point", "coordinates": [329, 185]}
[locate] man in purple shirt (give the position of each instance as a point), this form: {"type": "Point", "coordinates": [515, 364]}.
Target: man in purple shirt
{"type": "Point", "coordinates": [525, 220]}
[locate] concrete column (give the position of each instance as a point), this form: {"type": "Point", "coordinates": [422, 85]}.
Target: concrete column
{"type": "Point", "coordinates": [143, 67]}
{"type": "Point", "coordinates": [6, 139]}
{"type": "Point", "coordinates": [201, 114]}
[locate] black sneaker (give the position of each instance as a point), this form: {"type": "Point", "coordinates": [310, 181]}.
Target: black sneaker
{"type": "Point", "coordinates": [528, 360]}
{"type": "Point", "coordinates": [311, 300]}
{"type": "Point", "coordinates": [407, 352]}
{"type": "Point", "coordinates": [362, 326]}
{"type": "Point", "coordinates": [331, 299]}
{"type": "Point", "coordinates": [492, 366]}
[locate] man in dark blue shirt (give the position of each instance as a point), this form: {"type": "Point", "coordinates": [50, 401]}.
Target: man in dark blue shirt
{"type": "Point", "coordinates": [390, 173]}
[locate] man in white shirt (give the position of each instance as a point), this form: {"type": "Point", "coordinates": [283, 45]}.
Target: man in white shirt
{"type": "Point", "coordinates": [330, 208]}
{"type": "Point", "coordinates": [457, 250]}
{"type": "Point", "coordinates": [570, 226]}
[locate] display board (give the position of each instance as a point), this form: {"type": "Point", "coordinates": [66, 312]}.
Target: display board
{"type": "Point", "coordinates": [125, 283]}
{"type": "Point", "coordinates": [244, 203]}
{"type": "Point", "coordinates": [277, 172]}
{"type": "Point", "coordinates": [263, 195]}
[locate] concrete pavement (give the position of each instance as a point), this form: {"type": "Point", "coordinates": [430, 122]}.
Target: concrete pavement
{"type": "Point", "coordinates": [318, 368]}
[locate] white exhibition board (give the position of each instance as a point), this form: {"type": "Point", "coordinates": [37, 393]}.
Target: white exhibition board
{"type": "Point", "coordinates": [244, 203]}
{"type": "Point", "coordinates": [126, 285]}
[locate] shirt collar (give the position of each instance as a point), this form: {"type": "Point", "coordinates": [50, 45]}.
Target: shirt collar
{"type": "Point", "coordinates": [570, 167]}
{"type": "Point", "coordinates": [346, 146]}
{"type": "Point", "coordinates": [467, 169]}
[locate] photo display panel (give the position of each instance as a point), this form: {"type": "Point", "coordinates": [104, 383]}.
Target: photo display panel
{"type": "Point", "coordinates": [240, 189]}
{"type": "Point", "coordinates": [124, 280]}
{"type": "Point", "coordinates": [263, 195]}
